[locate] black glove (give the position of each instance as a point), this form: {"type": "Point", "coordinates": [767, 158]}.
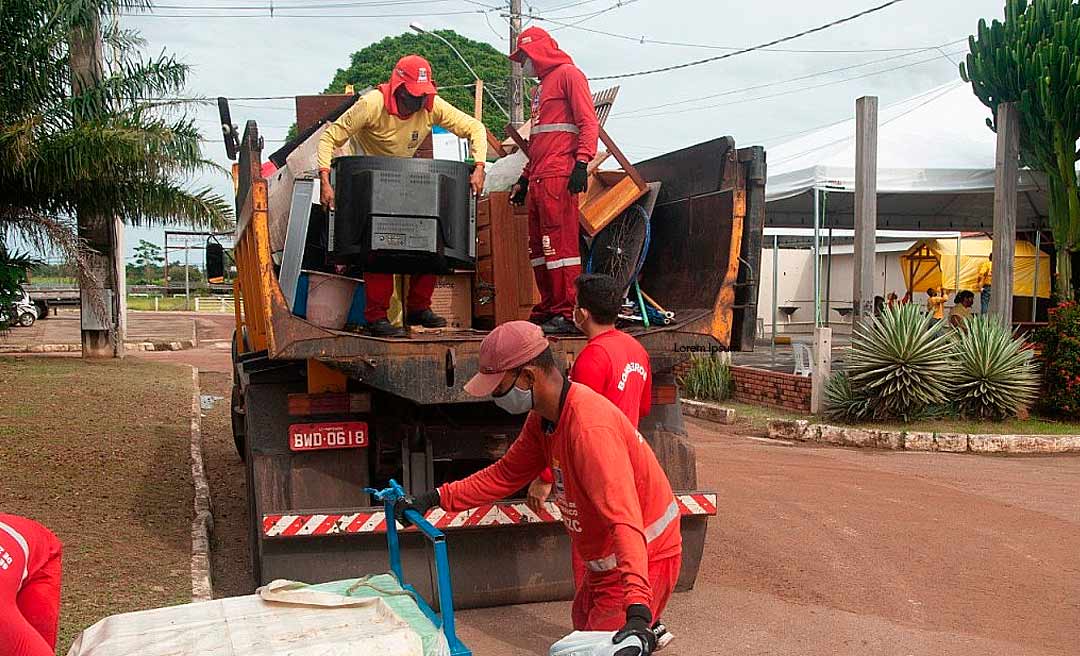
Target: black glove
{"type": "Point", "coordinates": [420, 503]}
{"type": "Point", "coordinates": [638, 623]}
{"type": "Point", "coordinates": [518, 197]}
{"type": "Point", "coordinates": [579, 178]}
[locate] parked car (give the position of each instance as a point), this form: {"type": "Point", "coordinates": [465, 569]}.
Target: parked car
{"type": "Point", "coordinates": [23, 311]}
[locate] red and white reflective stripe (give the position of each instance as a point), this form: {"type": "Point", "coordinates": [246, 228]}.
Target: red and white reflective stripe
{"type": "Point", "coordinates": [554, 127]}
{"type": "Point", "coordinates": [505, 513]}
{"type": "Point", "coordinates": [652, 531]}
{"type": "Point", "coordinates": [565, 262]}
{"type": "Point", "coordinates": [536, 261]}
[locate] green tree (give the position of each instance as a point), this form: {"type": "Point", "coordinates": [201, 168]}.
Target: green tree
{"type": "Point", "coordinates": [148, 254]}
{"type": "Point", "coordinates": [1033, 59]}
{"type": "Point", "coordinates": [114, 148]}
{"type": "Point", "coordinates": [371, 66]}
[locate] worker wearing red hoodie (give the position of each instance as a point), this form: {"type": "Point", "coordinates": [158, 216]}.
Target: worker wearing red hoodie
{"type": "Point", "coordinates": [615, 500]}
{"type": "Point", "coordinates": [561, 144]}
{"type": "Point", "coordinates": [29, 587]}
{"type": "Point", "coordinates": [392, 121]}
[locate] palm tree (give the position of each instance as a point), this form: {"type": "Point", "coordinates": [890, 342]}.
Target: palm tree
{"type": "Point", "coordinates": [108, 145]}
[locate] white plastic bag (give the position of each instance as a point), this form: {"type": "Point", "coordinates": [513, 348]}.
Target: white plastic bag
{"type": "Point", "coordinates": [504, 172]}
{"type": "Point", "coordinates": [595, 643]}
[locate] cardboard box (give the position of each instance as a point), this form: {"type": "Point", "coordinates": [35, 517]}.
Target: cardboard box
{"type": "Point", "coordinates": [453, 299]}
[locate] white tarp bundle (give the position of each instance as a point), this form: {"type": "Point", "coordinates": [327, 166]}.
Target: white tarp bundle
{"type": "Point", "coordinates": [935, 142]}
{"type": "Point", "coordinates": [279, 620]}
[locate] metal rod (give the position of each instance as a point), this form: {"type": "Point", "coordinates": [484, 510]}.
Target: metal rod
{"type": "Point", "coordinates": [828, 265]}
{"type": "Point", "coordinates": [775, 273]}
{"type": "Point", "coordinates": [1035, 283]}
{"type": "Point", "coordinates": [959, 245]}
{"type": "Point", "coordinates": [817, 263]}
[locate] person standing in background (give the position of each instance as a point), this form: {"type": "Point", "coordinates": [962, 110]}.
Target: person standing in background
{"type": "Point", "coordinates": [984, 281]}
{"type": "Point", "coordinates": [935, 304]}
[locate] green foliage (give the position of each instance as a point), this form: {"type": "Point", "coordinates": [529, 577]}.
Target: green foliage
{"type": "Point", "coordinates": [901, 362]}
{"type": "Point", "coordinates": [842, 403]}
{"type": "Point", "coordinates": [371, 66]}
{"type": "Point", "coordinates": [96, 148]}
{"type": "Point", "coordinates": [996, 376]}
{"type": "Point", "coordinates": [1060, 341]}
{"type": "Point", "coordinates": [709, 379]}
{"type": "Point", "coordinates": [148, 253]}
{"type": "Point", "coordinates": [1033, 59]}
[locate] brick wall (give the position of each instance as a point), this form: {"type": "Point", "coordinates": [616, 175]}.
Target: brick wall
{"type": "Point", "coordinates": [779, 390]}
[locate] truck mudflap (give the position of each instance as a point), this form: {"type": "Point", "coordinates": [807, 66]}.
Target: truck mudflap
{"type": "Point", "coordinates": [503, 552]}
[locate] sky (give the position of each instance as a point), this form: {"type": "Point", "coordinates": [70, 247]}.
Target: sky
{"type": "Point", "coordinates": [759, 98]}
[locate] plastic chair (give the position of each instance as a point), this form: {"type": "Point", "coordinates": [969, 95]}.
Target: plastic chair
{"type": "Point", "coordinates": [804, 358]}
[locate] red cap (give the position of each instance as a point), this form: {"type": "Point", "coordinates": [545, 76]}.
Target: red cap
{"type": "Point", "coordinates": [506, 348]}
{"type": "Point", "coordinates": [529, 35]}
{"type": "Point", "coordinates": [415, 73]}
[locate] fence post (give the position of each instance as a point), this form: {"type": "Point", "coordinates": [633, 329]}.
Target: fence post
{"type": "Point", "coordinates": [822, 370]}
{"type": "Point", "coordinates": [156, 308]}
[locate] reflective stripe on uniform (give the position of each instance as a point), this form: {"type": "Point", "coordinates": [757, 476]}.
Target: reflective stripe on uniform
{"type": "Point", "coordinates": [652, 531]}
{"type": "Point", "coordinates": [15, 535]}
{"type": "Point", "coordinates": [565, 262]}
{"type": "Point", "coordinates": [554, 127]}
{"type": "Point", "coordinates": [536, 261]}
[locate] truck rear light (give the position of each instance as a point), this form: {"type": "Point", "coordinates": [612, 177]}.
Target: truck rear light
{"type": "Point", "coordinates": [303, 405]}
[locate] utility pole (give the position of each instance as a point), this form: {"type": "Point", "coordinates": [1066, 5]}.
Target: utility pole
{"type": "Point", "coordinates": [517, 84]}
{"type": "Point", "coordinates": [1006, 173]}
{"type": "Point", "coordinates": [102, 316]}
{"type": "Point", "coordinates": [866, 148]}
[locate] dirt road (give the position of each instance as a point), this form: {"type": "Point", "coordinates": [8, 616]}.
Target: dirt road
{"type": "Point", "coordinates": [826, 551]}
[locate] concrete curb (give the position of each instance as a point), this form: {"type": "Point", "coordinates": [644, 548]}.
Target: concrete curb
{"type": "Point", "coordinates": [803, 431]}
{"type": "Point", "coordinates": [202, 525]}
{"type": "Point", "coordinates": [708, 411]}
{"type": "Point", "coordinates": [76, 348]}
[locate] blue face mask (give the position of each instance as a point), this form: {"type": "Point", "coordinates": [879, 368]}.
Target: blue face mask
{"type": "Point", "coordinates": [516, 401]}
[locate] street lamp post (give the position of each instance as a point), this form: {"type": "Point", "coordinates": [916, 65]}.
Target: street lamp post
{"type": "Point", "coordinates": [419, 28]}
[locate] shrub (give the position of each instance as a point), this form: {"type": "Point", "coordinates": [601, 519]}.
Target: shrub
{"type": "Point", "coordinates": [842, 403]}
{"type": "Point", "coordinates": [902, 363]}
{"type": "Point", "coordinates": [1060, 341]}
{"type": "Point", "coordinates": [995, 376]}
{"type": "Point", "coordinates": [709, 378]}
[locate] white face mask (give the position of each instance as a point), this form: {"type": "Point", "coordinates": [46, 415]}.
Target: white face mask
{"type": "Point", "coordinates": [516, 401]}
{"type": "Point", "coordinates": [527, 69]}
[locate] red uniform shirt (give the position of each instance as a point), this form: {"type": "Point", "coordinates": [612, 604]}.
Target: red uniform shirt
{"type": "Point", "coordinates": [563, 98]}
{"type": "Point", "coordinates": [616, 365]}
{"type": "Point", "coordinates": [615, 499]}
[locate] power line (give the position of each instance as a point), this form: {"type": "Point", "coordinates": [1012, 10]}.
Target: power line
{"type": "Point", "coordinates": [331, 5]}
{"type": "Point", "coordinates": [782, 93]}
{"type": "Point", "coordinates": [276, 15]}
{"type": "Point", "coordinates": [774, 42]}
{"type": "Point", "coordinates": [777, 83]}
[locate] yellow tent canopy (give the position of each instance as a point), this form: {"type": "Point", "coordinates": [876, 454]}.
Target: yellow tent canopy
{"type": "Point", "coordinates": [932, 264]}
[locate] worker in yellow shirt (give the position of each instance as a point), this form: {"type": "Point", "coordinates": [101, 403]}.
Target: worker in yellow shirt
{"type": "Point", "coordinates": [936, 304]}
{"type": "Point", "coordinates": [392, 120]}
{"type": "Point", "coordinates": [986, 277]}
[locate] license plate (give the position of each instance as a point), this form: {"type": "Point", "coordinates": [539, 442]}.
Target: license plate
{"type": "Point", "coordinates": [329, 435]}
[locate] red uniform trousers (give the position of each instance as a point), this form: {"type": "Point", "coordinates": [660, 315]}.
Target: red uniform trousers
{"type": "Point", "coordinates": [554, 251]}
{"type": "Point", "coordinates": [599, 603]}
{"type": "Point", "coordinates": [30, 608]}
{"type": "Point", "coordinates": [379, 287]}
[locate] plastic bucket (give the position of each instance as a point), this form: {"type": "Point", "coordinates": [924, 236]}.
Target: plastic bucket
{"type": "Point", "coordinates": [329, 299]}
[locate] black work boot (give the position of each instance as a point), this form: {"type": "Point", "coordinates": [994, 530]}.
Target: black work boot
{"type": "Point", "coordinates": [383, 328]}
{"type": "Point", "coordinates": [663, 636]}
{"type": "Point", "coordinates": [425, 318]}
{"type": "Point", "coordinates": [559, 325]}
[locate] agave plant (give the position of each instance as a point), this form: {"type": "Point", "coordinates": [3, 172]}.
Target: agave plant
{"type": "Point", "coordinates": [901, 362]}
{"type": "Point", "coordinates": [842, 402]}
{"type": "Point", "coordinates": [996, 376]}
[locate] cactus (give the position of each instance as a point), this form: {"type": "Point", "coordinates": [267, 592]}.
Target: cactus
{"type": "Point", "coordinates": [1033, 60]}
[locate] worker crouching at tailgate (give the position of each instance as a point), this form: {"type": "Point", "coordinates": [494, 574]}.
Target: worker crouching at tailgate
{"type": "Point", "coordinates": [561, 144]}
{"type": "Point", "coordinates": [392, 121]}
{"type": "Point", "coordinates": [615, 500]}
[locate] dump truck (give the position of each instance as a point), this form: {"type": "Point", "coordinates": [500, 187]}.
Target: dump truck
{"type": "Point", "coordinates": [321, 414]}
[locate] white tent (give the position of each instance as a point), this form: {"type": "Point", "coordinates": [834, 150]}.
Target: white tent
{"type": "Point", "coordinates": [935, 169]}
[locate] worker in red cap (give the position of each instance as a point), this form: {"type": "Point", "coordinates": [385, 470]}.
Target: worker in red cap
{"type": "Point", "coordinates": [615, 500]}
{"type": "Point", "coordinates": [392, 120]}
{"type": "Point", "coordinates": [562, 142]}
{"type": "Point", "coordinates": [29, 587]}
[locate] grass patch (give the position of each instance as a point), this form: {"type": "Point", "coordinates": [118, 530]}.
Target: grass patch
{"type": "Point", "coordinates": [758, 417]}
{"type": "Point", "coordinates": [99, 453]}
{"type": "Point", "coordinates": [172, 303]}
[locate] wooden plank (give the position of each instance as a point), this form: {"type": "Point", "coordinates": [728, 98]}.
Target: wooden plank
{"type": "Point", "coordinates": [478, 101]}
{"type": "Point", "coordinates": [603, 206]}
{"type": "Point", "coordinates": [621, 159]}
{"type": "Point", "coordinates": [1005, 180]}
{"type": "Point", "coordinates": [272, 489]}
{"type": "Point", "coordinates": [866, 124]}
{"type": "Point", "coordinates": [518, 140]}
